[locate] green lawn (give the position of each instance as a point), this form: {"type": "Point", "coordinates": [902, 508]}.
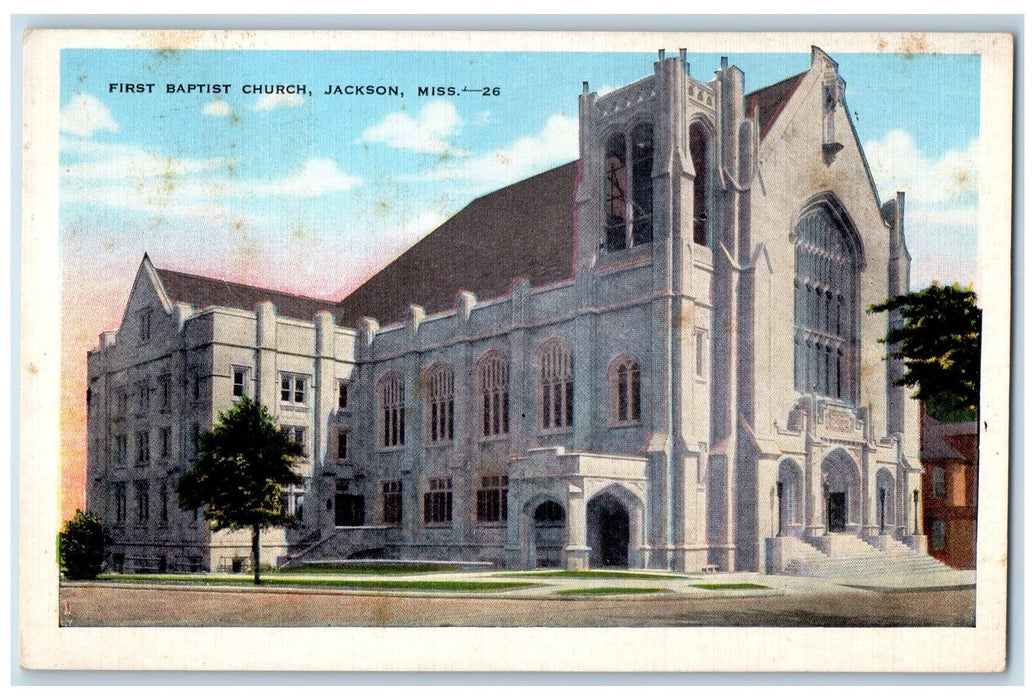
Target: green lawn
{"type": "Point", "coordinates": [387, 569]}
{"type": "Point", "coordinates": [609, 590]}
{"type": "Point", "coordinates": [374, 584]}
{"type": "Point", "coordinates": [728, 586]}
{"type": "Point", "coordinates": [593, 573]}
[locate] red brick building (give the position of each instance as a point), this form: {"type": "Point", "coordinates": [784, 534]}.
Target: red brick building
{"type": "Point", "coordinates": [948, 452]}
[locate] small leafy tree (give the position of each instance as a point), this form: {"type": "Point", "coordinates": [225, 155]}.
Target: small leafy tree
{"type": "Point", "coordinates": [238, 474]}
{"type": "Point", "coordinates": [939, 342]}
{"type": "Point", "coordinates": [81, 545]}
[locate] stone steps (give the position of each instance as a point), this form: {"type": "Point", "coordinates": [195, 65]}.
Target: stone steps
{"type": "Point", "coordinates": [852, 558]}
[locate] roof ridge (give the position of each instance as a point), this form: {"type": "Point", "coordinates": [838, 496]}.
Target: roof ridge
{"type": "Point", "coordinates": [222, 280]}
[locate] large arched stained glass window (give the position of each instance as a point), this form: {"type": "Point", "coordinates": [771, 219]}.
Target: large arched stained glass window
{"type": "Point", "coordinates": [826, 273]}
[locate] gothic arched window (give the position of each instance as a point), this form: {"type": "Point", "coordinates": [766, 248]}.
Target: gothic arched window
{"type": "Point", "coordinates": [556, 384]}
{"type": "Point", "coordinates": [826, 272]}
{"type": "Point", "coordinates": [439, 381]}
{"type": "Point", "coordinates": [390, 402]}
{"type": "Point", "coordinates": [630, 214]}
{"type": "Point", "coordinates": [494, 388]}
{"type": "Point", "coordinates": [623, 379]}
{"type": "Point", "coordinates": [699, 158]}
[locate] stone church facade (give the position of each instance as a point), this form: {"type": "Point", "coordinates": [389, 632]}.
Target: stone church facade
{"type": "Point", "coordinates": [658, 356]}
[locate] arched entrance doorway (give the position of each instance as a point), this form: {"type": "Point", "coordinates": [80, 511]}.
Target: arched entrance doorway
{"type": "Point", "coordinates": [607, 532]}
{"type": "Point", "coordinates": [841, 492]}
{"type": "Point", "coordinates": [546, 545]}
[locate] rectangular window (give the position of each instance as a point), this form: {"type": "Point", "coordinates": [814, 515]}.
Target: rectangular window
{"type": "Point", "coordinates": [121, 400]}
{"type": "Point", "coordinates": [143, 448]}
{"type": "Point", "coordinates": [163, 493]}
{"type": "Point", "coordinates": [196, 385]}
{"type": "Point", "coordinates": [492, 499]}
{"type": "Point", "coordinates": [391, 501]}
{"type": "Point", "coordinates": [699, 353]}
{"type": "Point", "coordinates": [343, 395]}
{"type": "Point", "coordinates": [938, 535]}
{"type": "Point", "coordinates": [292, 389]}
{"type": "Point", "coordinates": [165, 441]}
{"type": "Point", "coordinates": [438, 501]}
{"type": "Point", "coordinates": [292, 497]}
{"type": "Point", "coordinates": [143, 501]}
{"type": "Point", "coordinates": [145, 325]}
{"type": "Point", "coordinates": [240, 377]}
{"type": "Point", "coordinates": [120, 449]}
{"type": "Point", "coordinates": [938, 482]}
{"type": "Point", "coordinates": [343, 444]}
{"type": "Point", "coordinates": [143, 397]}
{"type": "Point", "coordinates": [165, 391]}
{"type": "Point", "coordinates": [297, 434]}
{"type": "Point", "coordinates": [119, 489]}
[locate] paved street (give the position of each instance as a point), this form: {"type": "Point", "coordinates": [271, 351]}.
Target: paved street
{"type": "Point", "coordinates": [785, 601]}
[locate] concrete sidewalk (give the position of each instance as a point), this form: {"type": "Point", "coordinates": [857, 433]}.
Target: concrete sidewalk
{"type": "Point", "coordinates": [555, 584]}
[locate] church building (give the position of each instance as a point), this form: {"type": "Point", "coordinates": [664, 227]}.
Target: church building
{"type": "Point", "coordinates": [658, 356]}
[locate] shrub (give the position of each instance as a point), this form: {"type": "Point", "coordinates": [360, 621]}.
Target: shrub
{"type": "Point", "coordinates": [81, 546]}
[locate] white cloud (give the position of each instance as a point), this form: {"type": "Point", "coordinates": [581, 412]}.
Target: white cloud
{"type": "Point", "coordinates": [898, 164]}
{"type": "Point", "coordinates": [267, 103]}
{"type": "Point", "coordinates": [556, 143]}
{"type": "Point", "coordinates": [84, 115]}
{"type": "Point", "coordinates": [427, 133]}
{"type": "Point", "coordinates": [317, 176]}
{"type": "Point", "coordinates": [217, 108]}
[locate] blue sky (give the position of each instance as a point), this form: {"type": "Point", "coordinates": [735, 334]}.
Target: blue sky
{"type": "Point", "coordinates": [312, 193]}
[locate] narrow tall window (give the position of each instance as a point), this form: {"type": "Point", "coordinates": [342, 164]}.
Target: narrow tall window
{"type": "Point", "coordinates": [556, 385]}
{"type": "Point", "coordinates": [391, 502]}
{"type": "Point", "coordinates": [119, 496]}
{"type": "Point", "coordinates": [699, 159]}
{"type": "Point", "coordinates": [165, 392]}
{"type": "Point", "coordinates": [143, 501]}
{"type": "Point", "coordinates": [643, 184]}
{"type": "Point", "coordinates": [938, 482]}
{"type": "Point", "coordinates": [145, 325]}
{"type": "Point", "coordinates": [165, 442]}
{"type": "Point", "coordinates": [163, 495]}
{"type": "Point", "coordinates": [440, 403]}
{"type": "Point", "coordinates": [343, 394]}
{"type": "Point", "coordinates": [343, 444]}
{"type": "Point", "coordinates": [438, 501]}
{"type": "Point", "coordinates": [240, 379]}
{"type": "Point", "coordinates": [629, 213]}
{"type": "Point", "coordinates": [827, 262]}
{"type": "Point", "coordinates": [624, 382]}
{"type": "Point", "coordinates": [616, 188]}
{"type": "Point", "coordinates": [494, 389]}
{"type": "Point", "coordinates": [143, 448]}
{"type": "Point", "coordinates": [492, 499]}
{"type": "Point", "coordinates": [390, 400]}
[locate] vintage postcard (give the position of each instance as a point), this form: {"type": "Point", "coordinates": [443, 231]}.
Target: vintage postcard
{"type": "Point", "coordinates": [346, 350]}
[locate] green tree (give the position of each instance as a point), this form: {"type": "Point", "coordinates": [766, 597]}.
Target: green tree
{"type": "Point", "coordinates": [81, 545]}
{"type": "Point", "coordinates": [238, 474]}
{"type": "Point", "coordinates": [938, 340]}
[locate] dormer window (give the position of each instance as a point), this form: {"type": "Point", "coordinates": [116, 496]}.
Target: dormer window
{"type": "Point", "coordinates": [629, 211]}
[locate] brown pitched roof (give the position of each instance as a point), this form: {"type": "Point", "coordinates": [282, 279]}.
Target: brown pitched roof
{"type": "Point", "coordinates": [206, 291]}
{"type": "Point", "coordinates": [954, 441]}
{"type": "Point", "coordinates": [770, 101]}
{"type": "Point", "coordinates": [523, 230]}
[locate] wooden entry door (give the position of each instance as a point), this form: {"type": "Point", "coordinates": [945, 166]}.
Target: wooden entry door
{"type": "Point", "coordinates": [836, 512]}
